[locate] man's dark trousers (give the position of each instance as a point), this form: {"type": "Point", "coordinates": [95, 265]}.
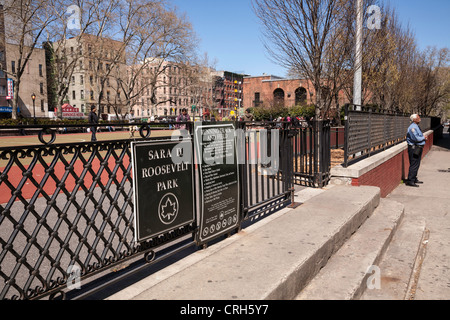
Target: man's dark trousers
{"type": "Point", "coordinates": [414, 163]}
{"type": "Point", "coordinates": [93, 136]}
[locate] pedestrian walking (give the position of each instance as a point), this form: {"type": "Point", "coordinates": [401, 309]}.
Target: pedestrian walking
{"type": "Point", "coordinates": [130, 118]}
{"type": "Point", "coordinates": [93, 119]}
{"type": "Point", "coordinates": [183, 117]}
{"type": "Point", "coordinates": [248, 116]}
{"type": "Point", "coordinates": [416, 141]}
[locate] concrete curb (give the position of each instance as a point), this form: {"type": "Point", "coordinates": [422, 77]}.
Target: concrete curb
{"type": "Point", "coordinates": [273, 261]}
{"type": "Point", "coordinates": [346, 275]}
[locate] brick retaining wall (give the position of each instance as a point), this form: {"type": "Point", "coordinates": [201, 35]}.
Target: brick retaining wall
{"type": "Point", "coordinates": [384, 170]}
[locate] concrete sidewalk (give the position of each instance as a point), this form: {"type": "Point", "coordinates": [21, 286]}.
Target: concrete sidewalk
{"type": "Point", "coordinates": [417, 264]}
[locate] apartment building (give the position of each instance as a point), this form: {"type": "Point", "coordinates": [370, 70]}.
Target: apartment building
{"type": "Point", "coordinates": [228, 92]}
{"type": "Point", "coordinates": [91, 67]}
{"type": "Point", "coordinates": [164, 88]}
{"type": "Point", "coordinates": [33, 82]}
{"type": "Point", "coordinates": [33, 88]}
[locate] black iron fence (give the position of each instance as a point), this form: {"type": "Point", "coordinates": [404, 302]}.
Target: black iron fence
{"type": "Point", "coordinates": [66, 210]}
{"type": "Point", "coordinates": [312, 159]}
{"type": "Point", "coordinates": [368, 131]}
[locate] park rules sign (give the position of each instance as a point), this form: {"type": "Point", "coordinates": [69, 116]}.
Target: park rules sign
{"type": "Point", "coordinates": [163, 186]}
{"type": "Point", "coordinates": [219, 180]}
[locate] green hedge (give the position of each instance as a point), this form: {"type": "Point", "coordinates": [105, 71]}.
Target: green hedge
{"type": "Point", "coordinates": [275, 112]}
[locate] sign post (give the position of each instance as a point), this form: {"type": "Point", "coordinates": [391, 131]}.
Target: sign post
{"type": "Point", "coordinates": [219, 180]}
{"type": "Point", "coordinates": [163, 186]}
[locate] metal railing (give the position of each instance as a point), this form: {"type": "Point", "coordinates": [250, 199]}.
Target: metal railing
{"type": "Point", "coordinates": [312, 154]}
{"type": "Point", "coordinates": [368, 131]}
{"type": "Point", "coordinates": [64, 205]}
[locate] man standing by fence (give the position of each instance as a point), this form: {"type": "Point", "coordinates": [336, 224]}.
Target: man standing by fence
{"type": "Point", "coordinates": [416, 141]}
{"type": "Point", "coordinates": [93, 119]}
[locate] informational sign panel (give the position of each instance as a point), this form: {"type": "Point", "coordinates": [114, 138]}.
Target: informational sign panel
{"type": "Point", "coordinates": [163, 186]}
{"type": "Point", "coordinates": [219, 180]}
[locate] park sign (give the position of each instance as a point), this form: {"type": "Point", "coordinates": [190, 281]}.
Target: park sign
{"type": "Point", "coordinates": [163, 186]}
{"type": "Point", "coordinates": [219, 180]}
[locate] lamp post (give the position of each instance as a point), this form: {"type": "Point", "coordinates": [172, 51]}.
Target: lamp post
{"type": "Point", "coordinates": [357, 90]}
{"type": "Point", "coordinates": [33, 97]}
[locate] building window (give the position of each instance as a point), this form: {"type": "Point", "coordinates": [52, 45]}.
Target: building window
{"type": "Point", "coordinates": [73, 95]}
{"type": "Point", "coordinates": [42, 106]}
{"type": "Point", "coordinates": [41, 88]}
{"type": "Point", "coordinates": [81, 79]}
{"type": "Point", "coordinates": [40, 71]}
{"type": "Point", "coordinates": [82, 94]}
{"type": "Point", "coordinates": [300, 96]}
{"type": "Point", "coordinates": [278, 97]}
{"type": "Point", "coordinates": [13, 66]}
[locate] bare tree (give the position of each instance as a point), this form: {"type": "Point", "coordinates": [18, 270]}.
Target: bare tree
{"type": "Point", "coordinates": [62, 62]}
{"type": "Point", "coordinates": [300, 34]}
{"type": "Point", "coordinates": [157, 38]}
{"type": "Point", "coordinates": [433, 80]}
{"type": "Point", "coordinates": [27, 22]}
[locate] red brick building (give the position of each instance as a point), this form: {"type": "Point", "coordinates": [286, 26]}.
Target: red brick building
{"type": "Point", "coordinates": [228, 92]}
{"type": "Point", "coordinates": [268, 90]}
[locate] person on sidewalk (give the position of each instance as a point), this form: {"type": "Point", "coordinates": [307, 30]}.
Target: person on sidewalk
{"type": "Point", "coordinates": [248, 116]}
{"type": "Point", "coordinates": [93, 119]}
{"type": "Point", "coordinates": [130, 118]}
{"type": "Point", "coordinates": [183, 117]}
{"type": "Point", "coordinates": [416, 141]}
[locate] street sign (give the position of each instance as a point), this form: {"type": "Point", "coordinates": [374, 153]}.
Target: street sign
{"type": "Point", "coordinates": [219, 180]}
{"type": "Point", "coordinates": [163, 186]}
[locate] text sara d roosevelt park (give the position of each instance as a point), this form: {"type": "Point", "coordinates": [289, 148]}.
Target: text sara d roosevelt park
{"type": "Point", "coordinates": [170, 168]}
{"type": "Point", "coordinates": [163, 189]}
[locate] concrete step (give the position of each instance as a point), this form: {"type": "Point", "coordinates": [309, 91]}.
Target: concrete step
{"type": "Point", "coordinates": [399, 264]}
{"type": "Point", "coordinates": [274, 260]}
{"type": "Point", "coordinates": [355, 265]}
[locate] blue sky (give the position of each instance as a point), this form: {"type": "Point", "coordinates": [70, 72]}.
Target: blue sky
{"type": "Point", "coordinates": [231, 34]}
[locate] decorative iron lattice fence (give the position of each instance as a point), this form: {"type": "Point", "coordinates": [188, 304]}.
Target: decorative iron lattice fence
{"type": "Point", "coordinates": [368, 132]}
{"type": "Point", "coordinates": [65, 205]}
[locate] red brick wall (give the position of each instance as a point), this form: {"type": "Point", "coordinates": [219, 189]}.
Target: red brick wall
{"type": "Point", "coordinates": [267, 84]}
{"type": "Point", "coordinates": [388, 175]}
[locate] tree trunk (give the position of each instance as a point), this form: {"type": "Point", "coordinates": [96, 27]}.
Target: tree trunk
{"type": "Point", "coordinates": [15, 101]}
